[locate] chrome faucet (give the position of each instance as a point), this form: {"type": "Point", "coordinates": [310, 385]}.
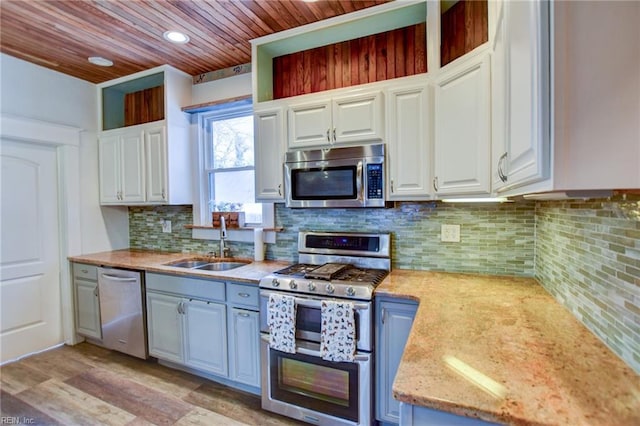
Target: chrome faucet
{"type": "Point", "coordinates": [223, 236]}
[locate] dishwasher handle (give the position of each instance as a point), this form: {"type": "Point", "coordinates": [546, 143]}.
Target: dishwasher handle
{"type": "Point", "coordinates": [117, 278]}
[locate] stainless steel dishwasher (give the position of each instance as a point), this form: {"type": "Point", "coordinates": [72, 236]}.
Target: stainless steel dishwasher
{"type": "Point", "coordinates": [122, 313]}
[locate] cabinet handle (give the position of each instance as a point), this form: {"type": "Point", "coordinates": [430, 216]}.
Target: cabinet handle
{"type": "Point", "coordinates": [181, 308]}
{"type": "Point", "coordinates": [243, 294]}
{"type": "Point", "coordinates": [84, 271]}
{"type": "Point", "coordinates": [334, 134]}
{"type": "Point", "coordinates": [501, 174]}
{"type": "Point", "coordinates": [383, 315]}
{"type": "Point", "coordinates": [95, 292]}
{"type": "Point", "coordinates": [435, 183]}
{"type": "Point", "coordinates": [164, 195]}
{"type": "Point", "coordinates": [280, 189]}
{"type": "Point", "coordinates": [392, 185]}
{"type": "Point", "coordinates": [242, 314]}
{"type": "Point", "coordinates": [328, 137]}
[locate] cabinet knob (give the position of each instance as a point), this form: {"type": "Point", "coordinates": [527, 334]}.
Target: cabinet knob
{"type": "Point", "coordinates": [243, 314]}
{"type": "Point", "coordinates": [243, 294]}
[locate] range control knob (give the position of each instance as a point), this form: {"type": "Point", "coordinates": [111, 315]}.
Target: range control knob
{"type": "Point", "coordinates": [293, 285]}
{"type": "Point", "coordinates": [275, 282]}
{"type": "Point", "coordinates": [330, 288]}
{"type": "Point", "coordinates": [351, 291]}
{"type": "Point", "coordinates": [311, 286]}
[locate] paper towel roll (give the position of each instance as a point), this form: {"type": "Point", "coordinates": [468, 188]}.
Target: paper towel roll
{"type": "Point", "coordinates": [258, 244]}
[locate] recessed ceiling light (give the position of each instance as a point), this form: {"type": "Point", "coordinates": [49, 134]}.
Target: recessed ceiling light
{"type": "Point", "coordinates": [176, 37]}
{"type": "Point", "coordinates": [99, 60]}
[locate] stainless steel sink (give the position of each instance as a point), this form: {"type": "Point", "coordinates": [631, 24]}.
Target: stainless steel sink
{"type": "Point", "coordinates": [207, 265]}
{"type": "Point", "coordinates": [187, 263]}
{"type": "Point", "coordinates": [221, 266]}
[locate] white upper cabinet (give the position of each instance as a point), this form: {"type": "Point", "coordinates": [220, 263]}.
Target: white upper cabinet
{"type": "Point", "coordinates": [462, 142]}
{"type": "Point", "coordinates": [269, 154]}
{"type": "Point", "coordinates": [145, 154]}
{"type": "Point", "coordinates": [409, 145]}
{"type": "Point", "coordinates": [340, 120]}
{"type": "Point", "coordinates": [520, 83]}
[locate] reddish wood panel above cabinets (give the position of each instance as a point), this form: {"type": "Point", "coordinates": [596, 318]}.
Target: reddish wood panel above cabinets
{"type": "Point", "coordinates": [144, 106]}
{"type": "Point", "coordinates": [397, 53]}
{"type": "Point", "coordinates": [463, 28]}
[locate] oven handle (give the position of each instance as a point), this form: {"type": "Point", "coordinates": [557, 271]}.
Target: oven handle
{"type": "Point", "coordinates": [317, 354]}
{"type": "Point", "coordinates": [317, 304]}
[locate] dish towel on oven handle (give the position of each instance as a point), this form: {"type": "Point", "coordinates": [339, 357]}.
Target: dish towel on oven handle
{"type": "Point", "coordinates": [338, 331]}
{"type": "Point", "coordinates": [281, 320]}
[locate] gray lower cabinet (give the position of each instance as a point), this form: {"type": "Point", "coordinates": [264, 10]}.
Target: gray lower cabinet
{"type": "Point", "coordinates": [208, 325]}
{"type": "Point", "coordinates": [244, 334]}
{"type": "Point", "coordinates": [394, 318]}
{"type": "Point", "coordinates": [87, 312]}
{"type": "Point", "coordinates": [186, 321]}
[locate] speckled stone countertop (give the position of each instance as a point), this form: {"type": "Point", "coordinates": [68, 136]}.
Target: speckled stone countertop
{"type": "Point", "coordinates": [503, 350]}
{"type": "Point", "coordinates": [154, 261]}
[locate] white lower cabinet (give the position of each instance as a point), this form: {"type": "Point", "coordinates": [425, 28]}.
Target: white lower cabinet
{"type": "Point", "coordinates": [205, 336]}
{"type": "Point", "coordinates": [394, 319]}
{"type": "Point", "coordinates": [462, 145]}
{"type": "Point", "coordinates": [164, 323]}
{"type": "Point", "coordinates": [244, 346]}
{"type": "Point", "coordinates": [85, 282]}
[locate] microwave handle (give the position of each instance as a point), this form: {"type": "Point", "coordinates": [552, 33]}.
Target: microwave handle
{"type": "Point", "coordinates": [360, 181]}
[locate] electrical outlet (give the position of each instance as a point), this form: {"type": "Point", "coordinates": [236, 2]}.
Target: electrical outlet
{"type": "Point", "coordinates": [166, 226]}
{"type": "Point", "coordinates": [450, 233]}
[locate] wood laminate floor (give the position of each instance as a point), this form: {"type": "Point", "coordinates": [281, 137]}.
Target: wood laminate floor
{"type": "Point", "coordinates": [89, 385]}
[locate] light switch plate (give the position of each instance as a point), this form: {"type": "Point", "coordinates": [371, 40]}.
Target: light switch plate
{"type": "Point", "coordinates": [450, 233]}
{"type": "Point", "coordinates": [166, 226]}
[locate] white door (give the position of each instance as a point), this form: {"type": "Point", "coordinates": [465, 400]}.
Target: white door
{"type": "Point", "coordinates": [358, 118]}
{"type": "Point", "coordinates": [31, 318]}
{"type": "Point", "coordinates": [132, 160]}
{"type": "Point", "coordinates": [310, 124]}
{"type": "Point", "coordinates": [109, 157]}
{"type": "Point", "coordinates": [205, 331]}
{"type": "Point", "coordinates": [269, 155]}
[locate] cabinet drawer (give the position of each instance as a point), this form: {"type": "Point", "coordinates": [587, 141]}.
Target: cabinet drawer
{"type": "Point", "coordinates": [186, 287]}
{"type": "Point", "coordinates": [89, 272]}
{"type": "Point", "coordinates": [246, 295]}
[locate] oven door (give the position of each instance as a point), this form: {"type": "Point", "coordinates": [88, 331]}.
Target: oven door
{"type": "Point", "coordinates": [303, 386]}
{"type": "Point", "coordinates": [308, 318]}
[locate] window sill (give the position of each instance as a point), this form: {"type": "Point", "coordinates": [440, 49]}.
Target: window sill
{"type": "Point", "coordinates": [244, 234]}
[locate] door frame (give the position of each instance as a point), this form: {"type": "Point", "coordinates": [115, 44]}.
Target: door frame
{"type": "Point", "coordinates": [66, 140]}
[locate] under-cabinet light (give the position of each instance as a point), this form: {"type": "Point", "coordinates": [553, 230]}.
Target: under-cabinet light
{"type": "Point", "coordinates": [477, 200]}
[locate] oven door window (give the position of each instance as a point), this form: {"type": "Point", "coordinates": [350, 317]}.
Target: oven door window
{"type": "Point", "coordinates": [329, 183]}
{"type": "Point", "coordinates": [311, 382]}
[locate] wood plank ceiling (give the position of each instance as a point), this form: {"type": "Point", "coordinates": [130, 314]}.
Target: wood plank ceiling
{"type": "Point", "coordinates": [62, 34]}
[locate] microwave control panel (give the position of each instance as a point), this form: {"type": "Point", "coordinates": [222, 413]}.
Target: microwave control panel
{"type": "Point", "coordinates": [374, 181]}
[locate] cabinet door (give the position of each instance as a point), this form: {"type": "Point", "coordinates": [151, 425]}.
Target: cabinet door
{"type": "Point", "coordinates": [244, 347]}
{"type": "Point", "coordinates": [499, 84]}
{"type": "Point", "coordinates": [358, 118]}
{"type": "Point", "coordinates": [409, 145]}
{"type": "Point", "coordinates": [109, 159]}
{"type": "Point", "coordinates": [394, 322]}
{"type": "Point", "coordinates": [205, 336]}
{"type": "Point", "coordinates": [462, 129]}
{"type": "Point", "coordinates": [527, 54]}
{"type": "Point", "coordinates": [87, 308]}
{"type": "Point", "coordinates": [309, 124]}
{"type": "Point", "coordinates": [269, 155]}
{"type": "Point", "coordinates": [164, 322]}
{"type": "Point", "coordinates": [156, 155]}
{"type": "Point", "coordinates": [132, 169]}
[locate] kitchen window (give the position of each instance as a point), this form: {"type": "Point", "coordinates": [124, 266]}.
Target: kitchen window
{"type": "Point", "coordinates": [227, 173]}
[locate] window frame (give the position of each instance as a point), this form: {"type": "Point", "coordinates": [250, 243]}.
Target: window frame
{"type": "Point", "coordinates": [201, 212]}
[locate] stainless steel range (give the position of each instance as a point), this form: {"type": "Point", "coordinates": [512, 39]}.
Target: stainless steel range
{"type": "Point", "coordinates": [303, 385]}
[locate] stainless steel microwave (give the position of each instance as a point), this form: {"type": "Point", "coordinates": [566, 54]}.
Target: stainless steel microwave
{"type": "Point", "coordinates": [336, 177]}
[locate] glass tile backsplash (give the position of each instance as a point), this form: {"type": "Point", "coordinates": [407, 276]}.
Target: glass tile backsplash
{"type": "Point", "coordinates": [585, 253]}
